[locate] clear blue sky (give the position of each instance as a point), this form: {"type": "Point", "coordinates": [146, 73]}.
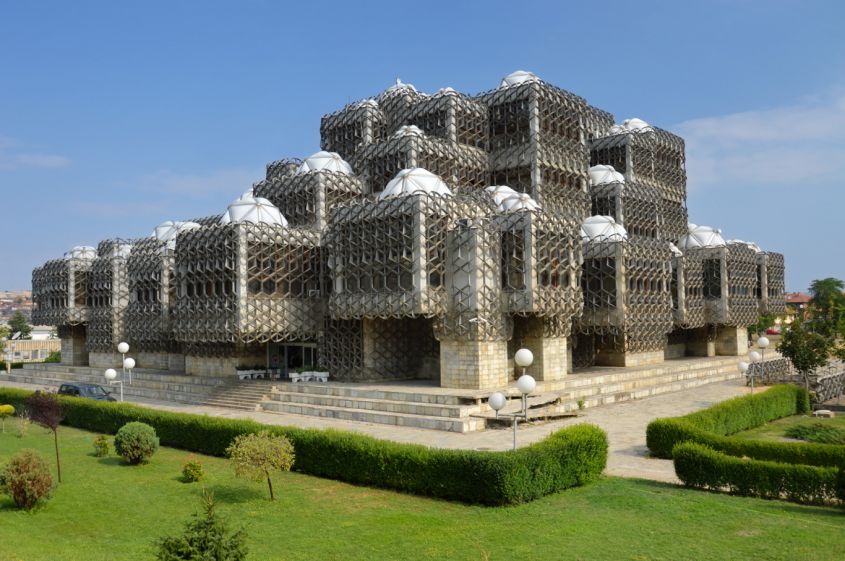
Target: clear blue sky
{"type": "Point", "coordinates": [114, 118]}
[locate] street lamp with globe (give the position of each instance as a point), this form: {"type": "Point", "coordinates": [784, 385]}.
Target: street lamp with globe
{"type": "Point", "coordinates": [129, 364]}
{"type": "Point", "coordinates": [763, 343]}
{"type": "Point", "coordinates": [743, 369]}
{"type": "Point", "coordinates": [110, 375]}
{"type": "Point", "coordinates": [123, 348]}
{"type": "Point", "coordinates": [525, 384]}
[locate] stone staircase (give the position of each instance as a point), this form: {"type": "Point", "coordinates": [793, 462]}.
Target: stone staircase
{"type": "Point", "coordinates": [429, 407]}
{"type": "Point", "coordinates": [246, 395]}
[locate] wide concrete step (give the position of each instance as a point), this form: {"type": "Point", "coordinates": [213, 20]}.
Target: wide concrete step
{"type": "Point", "coordinates": [464, 424]}
{"type": "Point", "coordinates": [434, 397]}
{"type": "Point", "coordinates": [367, 404]}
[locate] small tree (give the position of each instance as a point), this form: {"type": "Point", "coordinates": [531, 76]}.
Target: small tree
{"type": "Point", "coordinates": [205, 538]}
{"type": "Point", "coordinates": [19, 323]}
{"type": "Point", "coordinates": [256, 456]}
{"type": "Point", "coordinates": [46, 410]}
{"type": "Point", "coordinates": [806, 349]}
{"type": "Point", "coordinates": [6, 411]}
{"type": "Point", "coordinates": [27, 479]}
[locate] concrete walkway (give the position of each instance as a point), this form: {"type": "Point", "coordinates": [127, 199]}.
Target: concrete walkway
{"type": "Point", "coordinates": [625, 424]}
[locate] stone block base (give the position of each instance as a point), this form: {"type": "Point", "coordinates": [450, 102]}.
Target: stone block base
{"type": "Point", "coordinates": [550, 358]}
{"type": "Point", "coordinates": [176, 362]}
{"type": "Point", "coordinates": [74, 352]}
{"type": "Point", "coordinates": [473, 365]}
{"type": "Point", "coordinates": [156, 361]}
{"type": "Point", "coordinates": [105, 360]}
{"type": "Point", "coordinates": [677, 350]}
{"type": "Point", "coordinates": [607, 358]}
{"type": "Point", "coordinates": [699, 343]}
{"type": "Point", "coordinates": [731, 341]}
{"type": "Point", "coordinates": [211, 366]}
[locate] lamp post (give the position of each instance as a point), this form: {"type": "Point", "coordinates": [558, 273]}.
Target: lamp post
{"type": "Point", "coordinates": [753, 357]}
{"type": "Point", "coordinates": [123, 348]}
{"type": "Point", "coordinates": [110, 376]}
{"type": "Point", "coordinates": [129, 364]}
{"type": "Point", "coordinates": [743, 369]}
{"type": "Point", "coordinates": [763, 343]}
{"type": "Point", "coordinates": [525, 384]}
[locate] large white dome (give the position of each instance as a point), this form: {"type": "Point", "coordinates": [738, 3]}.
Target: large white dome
{"type": "Point", "coordinates": [414, 180]}
{"type": "Point", "coordinates": [604, 229]}
{"type": "Point", "coordinates": [167, 231]}
{"type": "Point", "coordinates": [518, 201]}
{"type": "Point", "coordinates": [601, 174]}
{"type": "Point", "coordinates": [701, 237]}
{"type": "Point", "coordinates": [256, 210]}
{"type": "Point", "coordinates": [325, 161]}
{"type": "Point", "coordinates": [518, 77]}
{"type": "Point", "coordinates": [408, 130]}
{"type": "Point", "coordinates": [500, 193]}
{"type": "Point", "coordinates": [81, 252]}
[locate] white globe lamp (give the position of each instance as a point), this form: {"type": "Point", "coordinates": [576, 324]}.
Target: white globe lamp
{"type": "Point", "coordinates": [110, 374]}
{"type": "Point", "coordinates": [523, 358]}
{"type": "Point", "coordinates": [123, 348]}
{"type": "Point", "coordinates": [497, 402]}
{"type": "Point", "coordinates": [526, 384]}
{"type": "Point", "coordinates": [743, 366]}
{"type": "Point", "coordinates": [754, 356]}
{"type": "Point", "coordinates": [763, 342]}
{"type": "Point", "coordinates": [129, 363]}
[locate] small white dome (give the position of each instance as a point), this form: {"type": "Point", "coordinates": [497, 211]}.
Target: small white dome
{"type": "Point", "coordinates": [518, 77]}
{"type": "Point", "coordinates": [369, 102]}
{"type": "Point", "coordinates": [500, 193]}
{"type": "Point", "coordinates": [701, 237]}
{"type": "Point", "coordinates": [256, 210]}
{"type": "Point", "coordinates": [603, 228]}
{"type": "Point", "coordinates": [408, 130]}
{"type": "Point", "coordinates": [631, 125]}
{"type": "Point", "coordinates": [599, 175]}
{"type": "Point", "coordinates": [675, 251]}
{"type": "Point", "coordinates": [446, 91]}
{"type": "Point", "coordinates": [167, 231]}
{"type": "Point", "coordinates": [325, 161]}
{"type": "Point", "coordinates": [398, 87]}
{"type": "Point", "coordinates": [81, 252]}
{"type": "Point", "coordinates": [752, 245]}
{"type": "Point", "coordinates": [414, 180]}
{"type": "Point", "coordinates": [122, 250]}
{"type": "Point", "coordinates": [518, 201]}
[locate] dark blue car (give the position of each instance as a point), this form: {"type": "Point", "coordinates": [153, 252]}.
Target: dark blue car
{"type": "Point", "coordinates": [91, 391]}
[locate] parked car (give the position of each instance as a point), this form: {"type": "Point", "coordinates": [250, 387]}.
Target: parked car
{"type": "Point", "coordinates": [773, 331]}
{"type": "Point", "coordinates": [91, 391]}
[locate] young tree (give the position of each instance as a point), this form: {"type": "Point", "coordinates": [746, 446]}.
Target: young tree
{"type": "Point", "coordinates": [806, 349]}
{"type": "Point", "coordinates": [828, 304]}
{"type": "Point", "coordinates": [6, 411]}
{"type": "Point", "coordinates": [206, 538]}
{"type": "Point", "coordinates": [19, 323]}
{"type": "Point", "coordinates": [46, 410]}
{"type": "Point", "coordinates": [256, 456]}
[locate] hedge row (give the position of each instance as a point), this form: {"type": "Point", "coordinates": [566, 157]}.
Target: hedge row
{"type": "Point", "coordinates": [713, 426]}
{"type": "Point", "coordinates": [569, 457]}
{"type": "Point", "coordinates": [13, 364]}
{"type": "Point", "coordinates": [700, 466]}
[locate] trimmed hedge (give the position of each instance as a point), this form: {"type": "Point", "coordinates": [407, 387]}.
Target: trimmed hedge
{"type": "Point", "coordinates": [572, 456]}
{"type": "Point", "coordinates": [14, 365]}
{"type": "Point", "coordinates": [702, 467]}
{"type": "Point", "coordinates": [713, 426]}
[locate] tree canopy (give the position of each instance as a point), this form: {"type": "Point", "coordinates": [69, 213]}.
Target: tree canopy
{"type": "Point", "coordinates": [19, 323]}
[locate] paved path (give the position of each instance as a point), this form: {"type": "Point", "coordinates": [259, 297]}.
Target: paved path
{"type": "Point", "coordinates": [625, 424]}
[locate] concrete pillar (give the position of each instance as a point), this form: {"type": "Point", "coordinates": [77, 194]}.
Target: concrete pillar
{"type": "Point", "coordinates": [473, 365]}
{"type": "Point", "coordinates": [74, 352]}
{"type": "Point", "coordinates": [610, 357]}
{"type": "Point", "coordinates": [551, 357]}
{"type": "Point", "coordinates": [699, 343]}
{"type": "Point", "coordinates": [731, 341]}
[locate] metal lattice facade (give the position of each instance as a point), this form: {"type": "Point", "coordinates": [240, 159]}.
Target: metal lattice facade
{"type": "Point", "coordinates": [432, 282]}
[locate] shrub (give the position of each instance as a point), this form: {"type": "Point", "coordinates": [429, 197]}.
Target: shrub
{"type": "Point", "coordinates": [27, 479]}
{"type": "Point", "coordinates": [55, 356]}
{"type": "Point", "coordinates": [6, 411]}
{"type": "Point", "coordinates": [192, 470]}
{"type": "Point", "coordinates": [700, 466]}
{"type": "Point", "coordinates": [101, 446]}
{"type": "Point", "coordinates": [205, 538]}
{"type": "Point", "coordinates": [817, 432]}
{"type": "Point", "coordinates": [257, 456]}
{"type": "Point", "coordinates": [136, 442]}
{"type": "Point", "coordinates": [571, 456]}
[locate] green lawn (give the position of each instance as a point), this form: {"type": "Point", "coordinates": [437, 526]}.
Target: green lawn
{"type": "Point", "coordinates": [108, 511]}
{"type": "Point", "coordinates": [776, 430]}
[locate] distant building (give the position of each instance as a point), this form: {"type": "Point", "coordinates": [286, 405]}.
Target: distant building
{"type": "Point", "coordinates": [797, 304]}
{"type": "Point", "coordinates": [30, 350]}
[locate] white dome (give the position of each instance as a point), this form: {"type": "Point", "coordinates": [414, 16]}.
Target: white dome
{"type": "Point", "coordinates": [518, 77]}
{"type": "Point", "coordinates": [325, 161]}
{"type": "Point", "coordinates": [675, 251]}
{"type": "Point", "coordinates": [398, 87]}
{"type": "Point", "coordinates": [603, 228]}
{"type": "Point", "coordinates": [81, 252]}
{"type": "Point", "coordinates": [256, 210]}
{"type": "Point", "coordinates": [631, 125]}
{"type": "Point", "coordinates": [167, 231]}
{"type": "Point", "coordinates": [405, 130]}
{"type": "Point", "coordinates": [121, 250]}
{"type": "Point", "coordinates": [599, 175]}
{"type": "Point", "coordinates": [414, 180]}
{"type": "Point", "coordinates": [500, 193]}
{"type": "Point", "coordinates": [701, 236]}
{"type": "Point", "coordinates": [519, 201]}
{"type": "Point", "coordinates": [446, 91]}
{"type": "Point", "coordinates": [752, 245]}
{"type": "Point", "coordinates": [369, 102]}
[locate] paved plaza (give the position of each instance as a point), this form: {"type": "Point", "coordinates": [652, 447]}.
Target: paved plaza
{"type": "Point", "coordinates": [625, 424]}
